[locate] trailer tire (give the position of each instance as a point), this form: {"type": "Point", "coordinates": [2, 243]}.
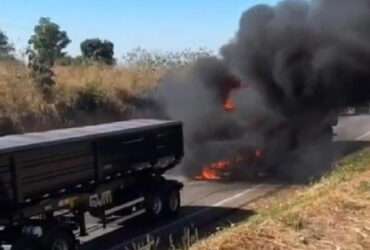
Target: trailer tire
{"type": "Point", "coordinates": [26, 243]}
{"type": "Point", "coordinates": [60, 239]}
{"type": "Point", "coordinates": [154, 205]}
{"type": "Point", "coordinates": [173, 203]}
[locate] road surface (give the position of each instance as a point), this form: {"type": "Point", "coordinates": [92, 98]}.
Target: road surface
{"type": "Point", "coordinates": [206, 202]}
{"type": "Point", "coordinates": [353, 128]}
{"type": "Point", "coordinates": [203, 203]}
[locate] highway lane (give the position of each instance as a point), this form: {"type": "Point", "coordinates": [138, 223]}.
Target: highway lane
{"type": "Point", "coordinates": [353, 128]}
{"type": "Point", "coordinates": [204, 202]}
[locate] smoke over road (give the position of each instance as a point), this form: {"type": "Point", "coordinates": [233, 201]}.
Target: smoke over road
{"type": "Point", "coordinates": [287, 70]}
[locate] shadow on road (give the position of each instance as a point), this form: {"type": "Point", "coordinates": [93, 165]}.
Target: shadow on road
{"type": "Point", "coordinates": [193, 223]}
{"type": "Point", "coordinates": [311, 163]}
{"type": "Point", "coordinates": [322, 159]}
{"type": "Point", "coordinates": [348, 147]}
{"type": "Point", "coordinates": [196, 222]}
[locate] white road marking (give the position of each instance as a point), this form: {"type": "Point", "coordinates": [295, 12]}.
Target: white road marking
{"type": "Point", "coordinates": [363, 136]}
{"type": "Point", "coordinates": [202, 211]}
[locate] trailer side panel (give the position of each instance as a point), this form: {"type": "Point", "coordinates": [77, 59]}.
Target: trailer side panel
{"type": "Point", "coordinates": [44, 170]}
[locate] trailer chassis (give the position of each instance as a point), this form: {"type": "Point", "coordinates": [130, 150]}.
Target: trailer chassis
{"type": "Point", "coordinates": [56, 224]}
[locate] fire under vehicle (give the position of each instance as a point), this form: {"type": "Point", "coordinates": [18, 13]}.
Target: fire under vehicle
{"type": "Point", "coordinates": [49, 180]}
{"type": "Point", "coordinates": [280, 140]}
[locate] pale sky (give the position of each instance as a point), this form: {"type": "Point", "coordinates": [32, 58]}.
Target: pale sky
{"type": "Point", "coordinates": [162, 25]}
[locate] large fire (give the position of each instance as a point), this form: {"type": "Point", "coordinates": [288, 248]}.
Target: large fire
{"type": "Point", "coordinates": [222, 169]}
{"type": "Point", "coordinates": [213, 170]}
{"type": "Point", "coordinates": [229, 105]}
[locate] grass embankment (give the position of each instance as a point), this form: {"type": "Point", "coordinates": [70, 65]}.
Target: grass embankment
{"type": "Point", "coordinates": [331, 214]}
{"type": "Point", "coordinates": [82, 95]}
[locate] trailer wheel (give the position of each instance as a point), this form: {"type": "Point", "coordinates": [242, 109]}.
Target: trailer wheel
{"type": "Point", "coordinates": [155, 205]}
{"type": "Point", "coordinates": [26, 243]}
{"type": "Point", "coordinates": [173, 202]}
{"type": "Point", "coordinates": [60, 239]}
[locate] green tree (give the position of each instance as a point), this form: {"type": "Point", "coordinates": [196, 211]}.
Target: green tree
{"type": "Point", "coordinates": [48, 41]}
{"type": "Point", "coordinates": [6, 48]}
{"type": "Point", "coordinates": [98, 50]}
{"type": "Point", "coordinates": [46, 46]}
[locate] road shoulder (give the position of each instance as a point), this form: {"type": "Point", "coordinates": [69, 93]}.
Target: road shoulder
{"type": "Point", "coordinates": [331, 214]}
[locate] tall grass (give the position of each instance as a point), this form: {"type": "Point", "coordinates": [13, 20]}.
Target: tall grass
{"type": "Point", "coordinates": [82, 95]}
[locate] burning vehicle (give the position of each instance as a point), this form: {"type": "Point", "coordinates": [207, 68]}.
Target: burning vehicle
{"type": "Point", "coordinates": [235, 167]}
{"type": "Point", "coordinates": [273, 92]}
{"type": "Point", "coordinates": [261, 160]}
{"type": "Point", "coordinates": [267, 103]}
{"type": "Point", "coordinates": [232, 169]}
{"type": "Point", "coordinates": [231, 132]}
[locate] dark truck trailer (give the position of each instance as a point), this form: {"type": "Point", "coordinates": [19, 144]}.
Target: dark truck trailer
{"type": "Point", "coordinates": [49, 180]}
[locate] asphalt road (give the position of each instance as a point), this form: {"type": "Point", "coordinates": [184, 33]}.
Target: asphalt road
{"type": "Point", "coordinates": [353, 128]}
{"type": "Point", "coordinates": [202, 204]}
{"type": "Point", "coordinates": [205, 203]}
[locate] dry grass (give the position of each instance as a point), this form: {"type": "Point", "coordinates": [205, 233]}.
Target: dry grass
{"type": "Point", "coordinates": [108, 78]}
{"type": "Point", "coordinates": [19, 97]}
{"type": "Point", "coordinates": [82, 95]}
{"type": "Point", "coordinates": [332, 214]}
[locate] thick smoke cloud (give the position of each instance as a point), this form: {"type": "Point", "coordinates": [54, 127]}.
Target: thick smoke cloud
{"type": "Point", "coordinates": [289, 68]}
{"type": "Point", "coordinates": [195, 96]}
{"type": "Point", "coordinates": [305, 55]}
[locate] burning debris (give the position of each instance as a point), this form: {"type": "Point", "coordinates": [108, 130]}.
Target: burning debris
{"type": "Point", "coordinates": [214, 171]}
{"type": "Point", "coordinates": [231, 169]}
{"type": "Point", "coordinates": [229, 105]}
{"type": "Point", "coordinates": [301, 61]}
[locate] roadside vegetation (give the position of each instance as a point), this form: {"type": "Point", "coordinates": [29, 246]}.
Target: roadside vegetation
{"type": "Point", "coordinates": [54, 90]}
{"type": "Point", "coordinates": [51, 89]}
{"type": "Point", "coordinates": [331, 214]}
{"type": "Point", "coordinates": [80, 95]}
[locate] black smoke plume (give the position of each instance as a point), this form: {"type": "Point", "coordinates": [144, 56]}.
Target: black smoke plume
{"type": "Point", "coordinates": [305, 55]}
{"type": "Point", "coordinates": [290, 69]}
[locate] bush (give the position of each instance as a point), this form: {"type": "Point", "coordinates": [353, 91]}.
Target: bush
{"type": "Point", "coordinates": [91, 97]}
{"type": "Point", "coordinates": [98, 51]}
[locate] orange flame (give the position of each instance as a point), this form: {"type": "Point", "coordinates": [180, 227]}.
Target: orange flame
{"type": "Point", "coordinates": [212, 171]}
{"type": "Point", "coordinates": [229, 105]}
{"type": "Point", "coordinates": [216, 171]}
